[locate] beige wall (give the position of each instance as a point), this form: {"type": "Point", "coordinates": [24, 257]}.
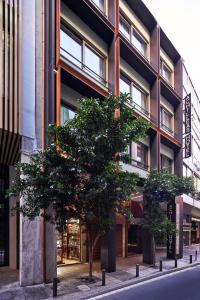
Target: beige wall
{"type": "Point", "coordinates": [70, 96]}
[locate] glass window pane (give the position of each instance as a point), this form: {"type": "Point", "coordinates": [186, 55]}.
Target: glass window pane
{"type": "Point", "coordinates": [166, 72]}
{"type": "Point", "coordinates": [139, 155]}
{"type": "Point", "coordinates": [70, 48]}
{"type": "Point", "coordinates": [139, 98]}
{"type": "Point", "coordinates": [124, 27]}
{"type": "Point", "coordinates": [166, 118]}
{"type": "Point", "coordinates": [124, 86]}
{"type": "Point", "coordinates": [139, 43]}
{"type": "Point", "coordinates": [66, 114]}
{"type": "Point", "coordinates": [166, 163]}
{"type": "Point", "coordinates": [100, 4]}
{"type": "Point", "coordinates": [94, 63]}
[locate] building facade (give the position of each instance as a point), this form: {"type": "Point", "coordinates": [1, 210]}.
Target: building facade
{"type": "Point", "coordinates": [67, 50]}
{"type": "Point", "coordinates": [191, 165]}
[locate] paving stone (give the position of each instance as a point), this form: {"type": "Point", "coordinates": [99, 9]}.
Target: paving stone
{"type": "Point", "coordinates": [83, 287]}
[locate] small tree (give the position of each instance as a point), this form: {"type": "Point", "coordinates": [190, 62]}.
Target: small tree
{"type": "Point", "coordinates": [161, 188]}
{"type": "Point", "coordinates": [78, 174]}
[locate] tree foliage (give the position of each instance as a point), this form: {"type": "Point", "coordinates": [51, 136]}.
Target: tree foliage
{"type": "Point", "coordinates": [78, 174]}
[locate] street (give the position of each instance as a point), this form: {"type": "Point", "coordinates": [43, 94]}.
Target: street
{"type": "Point", "coordinates": [184, 285]}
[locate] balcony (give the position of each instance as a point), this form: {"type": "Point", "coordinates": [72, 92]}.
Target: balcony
{"type": "Point", "coordinates": [139, 164]}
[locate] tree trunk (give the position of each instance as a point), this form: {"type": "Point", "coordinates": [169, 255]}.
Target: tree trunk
{"type": "Point", "coordinates": [148, 245]}
{"type": "Point", "coordinates": [153, 245]}
{"type": "Point", "coordinates": [90, 259]}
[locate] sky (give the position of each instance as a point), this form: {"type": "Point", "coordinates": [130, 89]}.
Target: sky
{"type": "Point", "coordinates": [180, 20]}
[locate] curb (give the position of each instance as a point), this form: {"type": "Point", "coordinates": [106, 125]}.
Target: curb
{"type": "Point", "coordinates": [134, 282]}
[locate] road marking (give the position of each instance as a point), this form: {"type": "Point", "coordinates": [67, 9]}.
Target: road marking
{"type": "Point", "coordinates": [139, 284]}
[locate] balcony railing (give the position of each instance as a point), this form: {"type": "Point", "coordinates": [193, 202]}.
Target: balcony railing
{"type": "Point", "coordinates": [79, 64]}
{"type": "Point", "coordinates": [166, 128]}
{"type": "Point", "coordinates": [139, 164]}
{"type": "Point", "coordinates": [140, 108]}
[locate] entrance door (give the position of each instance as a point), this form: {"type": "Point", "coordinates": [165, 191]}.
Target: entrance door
{"type": "Point", "coordinates": [4, 216]}
{"type": "Point", "coordinates": [68, 244]}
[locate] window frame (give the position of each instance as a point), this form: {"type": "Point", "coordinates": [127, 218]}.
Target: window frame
{"type": "Point", "coordinates": [102, 78]}
{"type": "Point", "coordinates": [164, 64]}
{"type": "Point", "coordinates": [137, 32]}
{"type": "Point", "coordinates": [104, 11]}
{"type": "Point", "coordinates": [69, 106]}
{"type": "Point", "coordinates": [134, 162]}
{"type": "Point", "coordinates": [169, 159]}
{"type": "Point", "coordinates": [163, 126]}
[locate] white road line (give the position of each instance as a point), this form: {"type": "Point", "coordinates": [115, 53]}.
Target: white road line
{"type": "Point", "coordinates": [138, 284]}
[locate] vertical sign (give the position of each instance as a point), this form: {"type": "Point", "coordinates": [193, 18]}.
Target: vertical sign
{"type": "Point", "coordinates": [188, 125]}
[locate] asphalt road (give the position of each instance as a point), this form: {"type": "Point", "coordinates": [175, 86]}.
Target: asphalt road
{"type": "Point", "coordinates": [183, 285]}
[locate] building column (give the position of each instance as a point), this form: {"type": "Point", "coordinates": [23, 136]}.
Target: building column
{"type": "Point", "coordinates": [175, 214]}
{"type": "Point", "coordinates": [31, 238]}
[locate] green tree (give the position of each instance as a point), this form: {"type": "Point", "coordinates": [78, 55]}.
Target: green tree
{"type": "Point", "coordinates": [78, 175]}
{"type": "Point", "coordinates": [160, 188]}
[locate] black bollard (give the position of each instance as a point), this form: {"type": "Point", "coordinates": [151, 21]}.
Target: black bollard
{"type": "Point", "coordinates": [196, 255]}
{"type": "Point", "coordinates": [103, 277]}
{"type": "Point", "coordinates": [137, 271]}
{"type": "Point", "coordinates": [161, 265]}
{"type": "Point", "coordinates": [55, 283]}
{"type": "Point", "coordinates": [190, 258]}
{"type": "Point", "coordinates": [175, 263]}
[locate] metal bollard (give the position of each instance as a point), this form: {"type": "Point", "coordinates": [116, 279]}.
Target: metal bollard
{"type": "Point", "coordinates": [190, 258]}
{"type": "Point", "coordinates": [137, 270]}
{"type": "Point", "coordinates": [175, 263]}
{"type": "Point", "coordinates": [161, 265]}
{"type": "Point", "coordinates": [196, 255]}
{"type": "Point", "coordinates": [103, 277]}
{"type": "Point", "coordinates": [55, 285]}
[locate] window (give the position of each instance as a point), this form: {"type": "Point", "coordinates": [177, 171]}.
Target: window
{"type": "Point", "coordinates": [166, 72]}
{"type": "Point", "coordinates": [93, 63]}
{"type": "Point", "coordinates": [133, 36]}
{"type": "Point", "coordinates": [139, 99]}
{"type": "Point", "coordinates": [66, 114]}
{"type": "Point", "coordinates": [166, 120]}
{"type": "Point", "coordinates": [139, 155]}
{"type": "Point", "coordinates": [70, 48]}
{"type": "Point", "coordinates": [80, 54]}
{"type": "Point", "coordinates": [139, 42]}
{"type": "Point", "coordinates": [100, 4]}
{"type": "Point", "coordinates": [124, 85]}
{"type": "Point", "coordinates": [125, 28]}
{"type": "Point", "coordinates": [166, 163]}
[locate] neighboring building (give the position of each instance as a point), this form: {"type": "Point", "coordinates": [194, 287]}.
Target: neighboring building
{"type": "Point", "coordinates": [68, 50]}
{"type": "Point", "coordinates": [191, 166]}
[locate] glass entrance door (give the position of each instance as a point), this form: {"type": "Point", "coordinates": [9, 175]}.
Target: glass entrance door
{"type": "Point", "coordinates": [69, 244]}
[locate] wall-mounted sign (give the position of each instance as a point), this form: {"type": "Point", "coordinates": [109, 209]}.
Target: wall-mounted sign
{"type": "Point", "coordinates": [188, 145]}
{"type": "Point", "coordinates": [188, 125]}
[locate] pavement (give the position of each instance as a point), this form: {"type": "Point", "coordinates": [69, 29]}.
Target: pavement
{"type": "Point", "coordinates": [177, 286]}
{"type": "Point", "coordinates": [72, 283]}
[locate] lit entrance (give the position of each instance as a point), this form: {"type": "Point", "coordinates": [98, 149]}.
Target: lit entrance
{"type": "Point", "coordinates": [69, 244]}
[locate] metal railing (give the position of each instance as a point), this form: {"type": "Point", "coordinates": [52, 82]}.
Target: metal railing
{"type": "Point", "coordinates": [166, 128]}
{"type": "Point", "coordinates": [139, 164]}
{"type": "Point", "coordinates": [140, 108]}
{"type": "Point", "coordinates": [83, 67]}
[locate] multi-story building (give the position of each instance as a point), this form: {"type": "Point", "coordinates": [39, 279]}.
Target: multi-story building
{"type": "Point", "coordinates": [191, 165]}
{"type": "Point", "coordinates": [69, 50]}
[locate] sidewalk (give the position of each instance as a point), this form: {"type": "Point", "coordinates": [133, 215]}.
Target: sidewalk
{"type": "Point", "coordinates": [73, 286]}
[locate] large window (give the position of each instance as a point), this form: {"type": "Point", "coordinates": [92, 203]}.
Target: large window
{"type": "Point", "coordinates": [166, 163]}
{"type": "Point", "coordinates": [139, 155]}
{"type": "Point", "coordinates": [166, 72]}
{"type": "Point", "coordinates": [166, 120]}
{"type": "Point", "coordinates": [139, 97]}
{"type": "Point", "coordinates": [133, 36]}
{"type": "Point", "coordinates": [82, 55]}
{"type": "Point", "coordinates": [100, 4]}
{"type": "Point", "coordinates": [66, 114]}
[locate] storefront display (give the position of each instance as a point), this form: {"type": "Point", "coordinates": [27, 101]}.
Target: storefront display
{"type": "Point", "coordinates": [68, 244]}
